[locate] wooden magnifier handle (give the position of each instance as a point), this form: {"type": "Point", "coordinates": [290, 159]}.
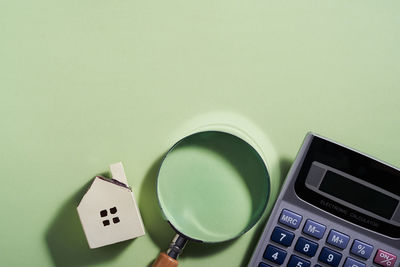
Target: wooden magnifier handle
{"type": "Point", "coordinates": [169, 259]}
{"type": "Point", "coordinates": [164, 260]}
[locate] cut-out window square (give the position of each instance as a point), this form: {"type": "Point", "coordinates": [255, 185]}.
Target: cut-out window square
{"type": "Point", "coordinates": [113, 210]}
{"type": "Point", "coordinates": [103, 213]}
{"type": "Point", "coordinates": [106, 222]}
{"type": "Point", "coordinates": [116, 220]}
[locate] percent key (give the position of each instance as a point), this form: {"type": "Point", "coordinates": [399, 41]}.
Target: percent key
{"type": "Point", "coordinates": [361, 249]}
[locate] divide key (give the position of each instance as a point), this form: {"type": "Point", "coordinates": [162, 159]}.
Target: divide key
{"type": "Point", "coordinates": [290, 218]}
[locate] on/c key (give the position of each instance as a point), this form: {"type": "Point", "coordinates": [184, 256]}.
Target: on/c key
{"type": "Point", "coordinates": [384, 258]}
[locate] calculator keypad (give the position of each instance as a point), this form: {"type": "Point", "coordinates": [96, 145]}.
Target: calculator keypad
{"type": "Point", "coordinates": [307, 246]}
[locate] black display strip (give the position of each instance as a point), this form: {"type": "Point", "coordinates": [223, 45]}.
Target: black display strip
{"type": "Point", "coordinates": [354, 164]}
{"type": "Point", "coordinates": [358, 194]}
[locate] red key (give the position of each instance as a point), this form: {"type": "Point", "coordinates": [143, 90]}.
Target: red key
{"type": "Point", "coordinates": [384, 258]}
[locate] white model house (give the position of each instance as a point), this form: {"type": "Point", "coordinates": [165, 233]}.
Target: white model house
{"type": "Point", "coordinates": [108, 211]}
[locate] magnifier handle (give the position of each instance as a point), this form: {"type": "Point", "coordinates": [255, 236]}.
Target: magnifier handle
{"type": "Point", "coordinates": [169, 259]}
{"type": "Point", "coordinates": [164, 260]}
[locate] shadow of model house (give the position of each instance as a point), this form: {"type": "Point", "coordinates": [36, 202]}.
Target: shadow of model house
{"type": "Point", "coordinates": [65, 236]}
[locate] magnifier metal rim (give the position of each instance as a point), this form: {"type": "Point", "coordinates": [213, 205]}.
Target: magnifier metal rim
{"type": "Point", "coordinates": [252, 222]}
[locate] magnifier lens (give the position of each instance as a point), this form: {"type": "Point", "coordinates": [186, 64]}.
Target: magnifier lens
{"type": "Point", "coordinates": [213, 186]}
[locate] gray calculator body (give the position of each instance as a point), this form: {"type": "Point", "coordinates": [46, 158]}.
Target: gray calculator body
{"type": "Point", "coordinates": [337, 207]}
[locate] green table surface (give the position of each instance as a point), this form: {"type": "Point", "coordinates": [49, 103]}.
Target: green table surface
{"type": "Point", "coordinates": [87, 83]}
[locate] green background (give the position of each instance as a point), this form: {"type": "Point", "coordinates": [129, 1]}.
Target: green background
{"type": "Point", "coordinates": [87, 83]}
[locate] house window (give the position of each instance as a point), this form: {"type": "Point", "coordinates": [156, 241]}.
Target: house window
{"type": "Point", "coordinates": [104, 215]}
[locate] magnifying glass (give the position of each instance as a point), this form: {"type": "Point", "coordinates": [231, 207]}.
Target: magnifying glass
{"type": "Point", "coordinates": [212, 187]}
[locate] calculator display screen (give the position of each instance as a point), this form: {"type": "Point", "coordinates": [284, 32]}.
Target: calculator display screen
{"type": "Point", "coordinates": [358, 194]}
{"type": "Point", "coordinates": [363, 203]}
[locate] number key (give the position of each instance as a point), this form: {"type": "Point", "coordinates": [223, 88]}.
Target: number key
{"type": "Point", "coordinates": [330, 257]}
{"type": "Point", "coordinates": [275, 254]}
{"type": "Point", "coordinates": [306, 247]}
{"type": "Point", "coordinates": [282, 236]}
{"type": "Point", "coordinates": [353, 263]}
{"type": "Point", "coordinates": [296, 261]}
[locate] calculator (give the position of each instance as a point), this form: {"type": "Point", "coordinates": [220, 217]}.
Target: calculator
{"type": "Point", "coordinates": [337, 207]}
